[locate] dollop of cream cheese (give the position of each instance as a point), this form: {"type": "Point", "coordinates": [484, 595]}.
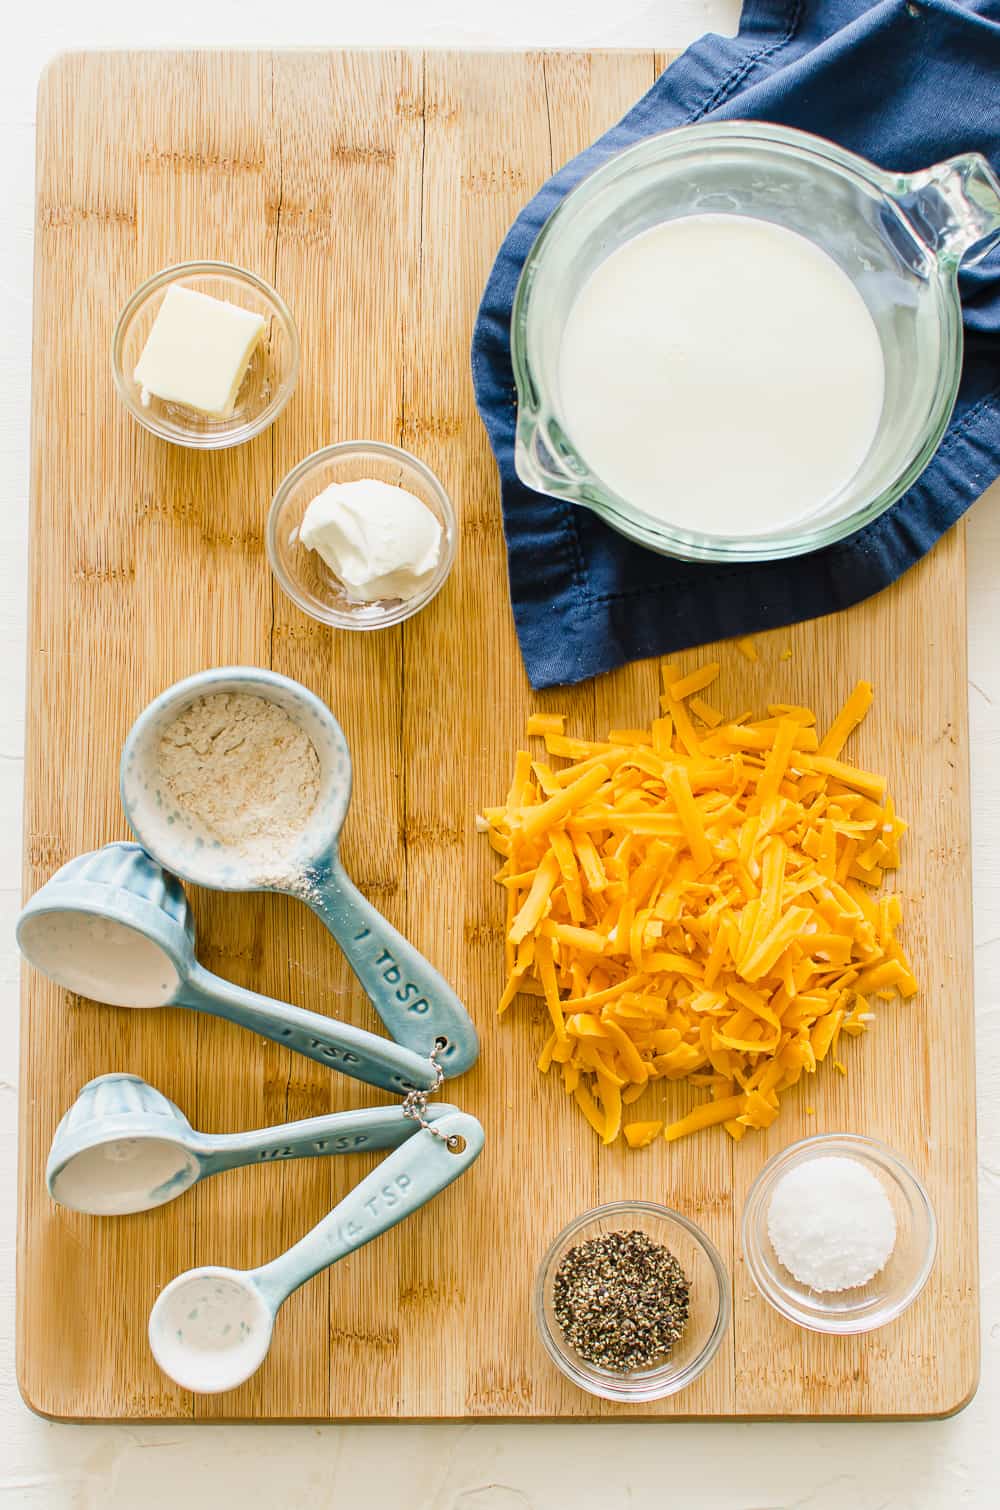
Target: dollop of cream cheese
{"type": "Point", "coordinates": [379, 540]}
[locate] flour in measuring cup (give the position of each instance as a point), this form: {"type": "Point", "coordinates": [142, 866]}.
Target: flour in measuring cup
{"type": "Point", "coordinates": [243, 774]}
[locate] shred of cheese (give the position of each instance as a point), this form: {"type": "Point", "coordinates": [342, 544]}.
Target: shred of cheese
{"type": "Point", "coordinates": [699, 906]}
{"type": "Point", "coordinates": [705, 711]}
{"type": "Point", "coordinates": [695, 681]}
{"type": "Point", "coordinates": [547, 723]}
{"type": "Point", "coordinates": [641, 1134]}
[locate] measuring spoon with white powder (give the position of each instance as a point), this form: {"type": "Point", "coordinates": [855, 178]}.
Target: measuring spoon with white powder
{"type": "Point", "coordinates": [124, 1147]}
{"type": "Point", "coordinates": [114, 926]}
{"type": "Point", "coordinates": [211, 1327]}
{"type": "Point", "coordinates": [172, 804]}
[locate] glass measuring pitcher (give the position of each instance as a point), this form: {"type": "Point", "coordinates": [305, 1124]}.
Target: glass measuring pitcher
{"type": "Point", "coordinates": [899, 237]}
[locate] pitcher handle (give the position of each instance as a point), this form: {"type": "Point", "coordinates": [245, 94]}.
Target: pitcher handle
{"type": "Point", "coordinates": [954, 208]}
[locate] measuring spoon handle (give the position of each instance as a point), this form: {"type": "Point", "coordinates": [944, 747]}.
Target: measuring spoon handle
{"type": "Point", "coordinates": [401, 1184]}
{"type": "Point", "coordinates": [352, 1051]}
{"type": "Point", "coordinates": [365, 1130]}
{"type": "Point", "coordinates": [414, 1001]}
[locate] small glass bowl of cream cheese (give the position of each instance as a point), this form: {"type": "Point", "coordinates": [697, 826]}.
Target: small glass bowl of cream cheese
{"type": "Point", "coordinates": [818, 1244]}
{"type": "Point", "coordinates": [361, 535]}
{"type": "Point", "coordinates": [199, 355]}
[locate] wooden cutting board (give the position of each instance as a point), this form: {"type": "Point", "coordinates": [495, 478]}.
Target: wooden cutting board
{"type": "Point", "coordinates": [373, 189]}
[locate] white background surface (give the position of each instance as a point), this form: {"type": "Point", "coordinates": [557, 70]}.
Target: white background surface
{"type": "Point", "coordinates": [913, 1466]}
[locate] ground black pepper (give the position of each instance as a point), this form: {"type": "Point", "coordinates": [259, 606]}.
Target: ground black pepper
{"type": "Point", "coordinates": [621, 1301]}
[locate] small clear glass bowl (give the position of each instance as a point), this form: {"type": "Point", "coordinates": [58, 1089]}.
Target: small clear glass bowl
{"type": "Point", "coordinates": [711, 1302]}
{"type": "Point", "coordinates": [270, 378]}
{"type": "Point", "coordinates": [305, 576]}
{"type": "Point", "coordinates": [891, 1292]}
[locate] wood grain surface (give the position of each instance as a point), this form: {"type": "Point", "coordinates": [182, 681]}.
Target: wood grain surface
{"type": "Point", "coordinates": [373, 189]}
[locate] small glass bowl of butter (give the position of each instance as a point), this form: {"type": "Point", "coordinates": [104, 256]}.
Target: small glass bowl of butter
{"type": "Point", "coordinates": [205, 355]}
{"type": "Point", "coordinates": [361, 535]}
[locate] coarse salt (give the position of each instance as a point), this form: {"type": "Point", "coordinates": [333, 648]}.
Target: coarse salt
{"type": "Point", "coordinates": [831, 1223]}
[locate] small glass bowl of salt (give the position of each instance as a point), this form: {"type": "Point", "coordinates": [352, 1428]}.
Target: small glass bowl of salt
{"type": "Point", "coordinates": [839, 1234]}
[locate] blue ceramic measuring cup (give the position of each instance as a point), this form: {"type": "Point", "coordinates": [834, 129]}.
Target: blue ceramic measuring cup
{"type": "Point", "coordinates": [417, 1006]}
{"type": "Point", "coordinates": [211, 1327]}
{"type": "Point", "coordinates": [116, 927]}
{"type": "Point", "coordinates": [124, 1147]}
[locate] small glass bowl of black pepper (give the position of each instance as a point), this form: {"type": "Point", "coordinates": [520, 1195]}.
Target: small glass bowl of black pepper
{"type": "Point", "coordinates": [632, 1301]}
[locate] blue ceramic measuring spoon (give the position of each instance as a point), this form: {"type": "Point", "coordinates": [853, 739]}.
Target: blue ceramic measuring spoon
{"type": "Point", "coordinates": [211, 1327]}
{"type": "Point", "coordinates": [417, 1006]}
{"type": "Point", "coordinates": [124, 1147]}
{"type": "Point", "coordinates": [116, 927]}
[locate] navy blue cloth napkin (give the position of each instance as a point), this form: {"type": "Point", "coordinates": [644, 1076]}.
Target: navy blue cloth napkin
{"type": "Point", "coordinates": [905, 83]}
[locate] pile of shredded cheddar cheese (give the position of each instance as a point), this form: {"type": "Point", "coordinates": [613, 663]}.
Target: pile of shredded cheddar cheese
{"type": "Point", "coordinates": [696, 902]}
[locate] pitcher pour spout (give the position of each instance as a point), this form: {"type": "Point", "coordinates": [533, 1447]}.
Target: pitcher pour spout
{"type": "Point", "coordinates": [540, 460]}
{"type": "Point", "coordinates": [954, 208]}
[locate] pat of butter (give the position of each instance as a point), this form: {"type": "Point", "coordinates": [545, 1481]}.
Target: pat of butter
{"type": "Point", "coordinates": [198, 351]}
